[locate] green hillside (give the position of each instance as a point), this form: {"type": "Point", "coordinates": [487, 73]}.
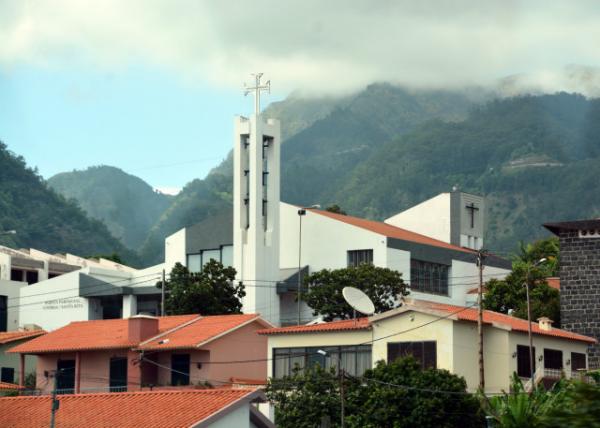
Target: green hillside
{"type": "Point", "coordinates": [45, 220]}
{"type": "Point", "coordinates": [535, 158]}
{"type": "Point", "coordinates": [126, 204]}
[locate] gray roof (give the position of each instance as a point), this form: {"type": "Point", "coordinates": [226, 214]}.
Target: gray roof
{"type": "Point", "coordinates": [210, 233]}
{"type": "Point", "coordinates": [593, 224]}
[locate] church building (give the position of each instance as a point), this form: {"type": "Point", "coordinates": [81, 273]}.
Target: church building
{"type": "Point", "coordinates": [273, 245]}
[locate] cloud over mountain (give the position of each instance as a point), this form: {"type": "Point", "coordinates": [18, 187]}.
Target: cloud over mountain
{"type": "Point", "coordinates": [318, 46]}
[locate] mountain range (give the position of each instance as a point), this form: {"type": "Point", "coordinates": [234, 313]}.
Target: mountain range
{"type": "Point", "coordinates": [382, 150]}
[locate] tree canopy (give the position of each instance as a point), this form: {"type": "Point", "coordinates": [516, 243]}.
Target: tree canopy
{"type": "Point", "coordinates": [212, 291]}
{"type": "Point", "coordinates": [509, 293]}
{"type": "Point", "coordinates": [399, 394]}
{"type": "Point", "coordinates": [384, 286]}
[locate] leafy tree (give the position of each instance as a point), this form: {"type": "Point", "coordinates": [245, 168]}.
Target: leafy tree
{"type": "Point", "coordinates": [510, 293]}
{"type": "Point", "coordinates": [384, 286]}
{"type": "Point", "coordinates": [543, 248]}
{"type": "Point", "coordinates": [518, 409]}
{"type": "Point", "coordinates": [398, 394]}
{"type": "Point", "coordinates": [335, 208]}
{"type": "Point", "coordinates": [580, 407]}
{"type": "Point", "coordinates": [209, 292]}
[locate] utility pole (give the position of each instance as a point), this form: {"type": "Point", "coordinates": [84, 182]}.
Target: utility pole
{"type": "Point", "coordinates": [342, 409]}
{"type": "Point", "coordinates": [162, 294]}
{"type": "Point", "coordinates": [481, 255]}
{"type": "Point", "coordinates": [527, 281]}
{"type": "Point", "coordinates": [301, 213]}
{"type": "Point", "coordinates": [55, 402]}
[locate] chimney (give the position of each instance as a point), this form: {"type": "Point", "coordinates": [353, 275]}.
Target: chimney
{"type": "Point", "coordinates": [545, 323]}
{"type": "Point", "coordinates": [141, 327]}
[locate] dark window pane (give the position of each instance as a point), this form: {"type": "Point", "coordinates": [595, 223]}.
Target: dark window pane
{"type": "Point", "coordinates": [16, 275]}
{"type": "Point", "coordinates": [428, 277]}
{"type": "Point", "coordinates": [65, 376]}
{"type": "Point", "coordinates": [7, 375]}
{"type": "Point", "coordinates": [3, 313]}
{"type": "Point", "coordinates": [118, 374]}
{"type": "Point", "coordinates": [31, 277]}
{"type": "Point", "coordinates": [523, 366]}
{"type": "Point", "coordinates": [180, 373]}
{"type": "Point", "coordinates": [425, 353]}
{"type": "Point", "coordinates": [357, 257]}
{"type": "Point", "coordinates": [577, 361]}
{"type": "Point", "coordinates": [553, 359]}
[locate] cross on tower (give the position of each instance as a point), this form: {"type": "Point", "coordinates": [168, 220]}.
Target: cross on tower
{"type": "Point", "coordinates": [472, 208]}
{"type": "Point", "coordinates": [256, 89]}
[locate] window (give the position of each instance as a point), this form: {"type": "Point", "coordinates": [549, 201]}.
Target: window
{"type": "Point", "coordinates": [31, 276]}
{"type": "Point", "coordinates": [3, 313]}
{"type": "Point", "coordinates": [424, 352]}
{"type": "Point", "coordinates": [16, 275]}
{"type": "Point", "coordinates": [578, 361]}
{"type": "Point", "coordinates": [224, 254]}
{"type": "Point", "coordinates": [7, 375]}
{"type": "Point", "coordinates": [354, 359]}
{"type": "Point", "coordinates": [429, 277]}
{"type": "Point", "coordinates": [523, 367]}
{"type": "Point", "coordinates": [553, 359]}
{"type": "Point", "coordinates": [180, 369]}
{"type": "Point", "coordinates": [357, 257]}
{"type": "Point", "coordinates": [118, 374]}
{"type": "Point", "coordinates": [65, 372]}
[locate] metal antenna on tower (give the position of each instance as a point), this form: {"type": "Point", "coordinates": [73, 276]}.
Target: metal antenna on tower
{"type": "Point", "coordinates": [256, 90]}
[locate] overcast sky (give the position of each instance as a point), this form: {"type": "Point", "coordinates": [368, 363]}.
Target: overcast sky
{"type": "Point", "coordinates": [112, 81]}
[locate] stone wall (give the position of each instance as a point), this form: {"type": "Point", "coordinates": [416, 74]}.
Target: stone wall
{"type": "Point", "coordinates": [580, 287]}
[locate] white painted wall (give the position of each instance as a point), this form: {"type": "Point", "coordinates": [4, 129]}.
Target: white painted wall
{"type": "Point", "coordinates": [175, 250]}
{"type": "Point", "coordinates": [240, 417]}
{"type": "Point", "coordinates": [53, 303]}
{"type": "Point", "coordinates": [12, 290]}
{"type": "Point", "coordinates": [430, 218]}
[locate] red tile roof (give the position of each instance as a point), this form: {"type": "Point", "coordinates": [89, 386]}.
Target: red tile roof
{"type": "Point", "coordinates": [5, 386]}
{"type": "Point", "coordinates": [11, 336]}
{"type": "Point", "coordinates": [554, 282]}
{"type": "Point", "coordinates": [165, 409]}
{"type": "Point", "coordinates": [490, 317]}
{"type": "Point", "coordinates": [343, 325]}
{"type": "Point", "coordinates": [92, 335]}
{"type": "Point", "coordinates": [201, 331]}
{"type": "Point", "coordinates": [390, 231]}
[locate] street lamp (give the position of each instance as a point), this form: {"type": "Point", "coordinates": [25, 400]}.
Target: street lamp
{"type": "Point", "coordinates": [301, 213]}
{"type": "Point", "coordinates": [531, 370]}
{"type": "Point", "coordinates": [342, 376]}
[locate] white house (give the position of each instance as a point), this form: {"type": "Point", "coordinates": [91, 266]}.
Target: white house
{"type": "Point", "coordinates": [51, 290]}
{"type": "Point", "coordinates": [438, 336]}
{"type": "Point", "coordinates": [272, 244]}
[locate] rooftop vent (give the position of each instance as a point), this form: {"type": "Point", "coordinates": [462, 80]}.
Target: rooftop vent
{"type": "Point", "coordinates": [545, 323]}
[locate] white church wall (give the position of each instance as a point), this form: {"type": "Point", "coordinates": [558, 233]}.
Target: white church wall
{"type": "Point", "coordinates": [399, 260]}
{"type": "Point", "coordinates": [430, 218]}
{"type": "Point", "coordinates": [175, 250]}
{"type": "Point", "coordinates": [325, 241]}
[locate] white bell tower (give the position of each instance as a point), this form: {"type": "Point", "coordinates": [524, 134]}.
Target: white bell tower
{"type": "Point", "coordinates": [256, 160]}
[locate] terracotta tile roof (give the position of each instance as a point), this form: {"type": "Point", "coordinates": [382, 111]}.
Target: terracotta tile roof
{"type": "Point", "coordinates": [201, 331]}
{"type": "Point", "coordinates": [11, 336]}
{"type": "Point", "coordinates": [390, 231]}
{"type": "Point", "coordinates": [92, 335]}
{"type": "Point", "coordinates": [343, 325]}
{"type": "Point", "coordinates": [490, 317]}
{"type": "Point", "coordinates": [165, 409]}
{"type": "Point", "coordinates": [554, 282]}
{"type": "Point", "coordinates": [5, 386]}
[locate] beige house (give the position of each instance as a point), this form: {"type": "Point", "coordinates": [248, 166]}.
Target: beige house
{"type": "Point", "coordinates": [10, 363]}
{"type": "Point", "coordinates": [437, 335]}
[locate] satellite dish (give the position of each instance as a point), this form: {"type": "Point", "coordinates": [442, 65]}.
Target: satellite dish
{"type": "Point", "coordinates": [359, 301]}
